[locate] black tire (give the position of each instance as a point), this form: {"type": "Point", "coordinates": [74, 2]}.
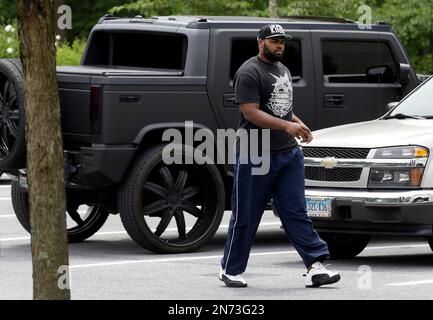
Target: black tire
{"type": "Point", "coordinates": [20, 203]}
{"type": "Point", "coordinates": [345, 246]}
{"type": "Point", "coordinates": [430, 242]}
{"type": "Point", "coordinates": [93, 220]}
{"type": "Point", "coordinates": [155, 194]}
{"type": "Point", "coordinates": [12, 115]}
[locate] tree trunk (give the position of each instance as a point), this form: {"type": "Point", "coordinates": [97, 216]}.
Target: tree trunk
{"type": "Point", "coordinates": [44, 151]}
{"type": "Point", "coordinates": [273, 8]}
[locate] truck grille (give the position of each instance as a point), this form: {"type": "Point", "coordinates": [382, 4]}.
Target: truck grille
{"type": "Point", "coordinates": [339, 153]}
{"type": "Point", "coordinates": [336, 174]}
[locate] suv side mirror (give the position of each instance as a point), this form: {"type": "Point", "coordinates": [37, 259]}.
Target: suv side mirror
{"type": "Point", "coordinates": [391, 106]}
{"type": "Point", "coordinates": [404, 74]}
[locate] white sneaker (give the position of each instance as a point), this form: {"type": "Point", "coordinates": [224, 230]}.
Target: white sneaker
{"type": "Point", "coordinates": [237, 281]}
{"type": "Point", "coordinates": [220, 274]}
{"type": "Point", "coordinates": [318, 276]}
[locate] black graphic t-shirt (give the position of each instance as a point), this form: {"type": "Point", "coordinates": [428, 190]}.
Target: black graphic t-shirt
{"type": "Point", "coordinates": [269, 85]}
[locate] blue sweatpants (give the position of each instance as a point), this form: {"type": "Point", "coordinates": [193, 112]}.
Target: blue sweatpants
{"type": "Point", "coordinates": [285, 184]}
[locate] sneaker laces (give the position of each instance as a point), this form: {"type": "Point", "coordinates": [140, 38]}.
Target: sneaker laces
{"type": "Point", "coordinates": [319, 267]}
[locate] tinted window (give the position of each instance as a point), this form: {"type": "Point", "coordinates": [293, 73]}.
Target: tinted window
{"type": "Point", "coordinates": [243, 49]}
{"type": "Point", "coordinates": [138, 50]}
{"type": "Point", "coordinates": [358, 62]}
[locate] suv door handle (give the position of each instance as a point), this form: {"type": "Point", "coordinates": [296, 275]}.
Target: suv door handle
{"type": "Point", "coordinates": [335, 100]}
{"type": "Point", "coordinates": [127, 98]}
{"type": "Point", "coordinates": [230, 100]}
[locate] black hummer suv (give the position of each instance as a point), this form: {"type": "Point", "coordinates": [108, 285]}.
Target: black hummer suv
{"type": "Point", "coordinates": [139, 77]}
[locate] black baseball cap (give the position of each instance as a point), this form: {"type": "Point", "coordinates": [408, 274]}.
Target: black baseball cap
{"type": "Point", "coordinates": [273, 31]}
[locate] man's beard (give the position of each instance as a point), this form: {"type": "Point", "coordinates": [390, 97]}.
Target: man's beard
{"type": "Point", "coordinates": [270, 55]}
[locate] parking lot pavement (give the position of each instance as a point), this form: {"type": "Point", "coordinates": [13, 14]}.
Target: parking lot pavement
{"type": "Point", "coordinates": [111, 266]}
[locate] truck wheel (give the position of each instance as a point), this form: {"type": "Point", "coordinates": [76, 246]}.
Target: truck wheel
{"type": "Point", "coordinates": [345, 246]}
{"type": "Point", "coordinates": [12, 115]}
{"type": "Point", "coordinates": [81, 225]}
{"type": "Point", "coordinates": [171, 208]}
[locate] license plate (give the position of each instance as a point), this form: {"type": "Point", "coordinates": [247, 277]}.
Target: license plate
{"type": "Point", "coordinates": [319, 207]}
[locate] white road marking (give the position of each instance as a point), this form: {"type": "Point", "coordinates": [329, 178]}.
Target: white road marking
{"type": "Point", "coordinates": [123, 232]}
{"type": "Point", "coordinates": [6, 199]}
{"type": "Point", "coordinates": [105, 264]}
{"type": "Point", "coordinates": [226, 226]}
{"type": "Point", "coordinates": [14, 239]}
{"type": "Point", "coordinates": [412, 283]}
{"type": "Point", "coordinates": [13, 215]}
{"type": "Point", "coordinates": [128, 262]}
{"type": "Point", "coordinates": [28, 237]}
{"type": "Point", "coordinates": [398, 247]}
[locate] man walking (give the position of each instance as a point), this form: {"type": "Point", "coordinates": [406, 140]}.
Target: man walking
{"type": "Point", "coordinates": [264, 92]}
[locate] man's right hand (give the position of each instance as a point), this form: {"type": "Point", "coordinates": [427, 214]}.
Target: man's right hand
{"type": "Point", "coordinates": [298, 131]}
{"type": "Point", "coordinates": [262, 119]}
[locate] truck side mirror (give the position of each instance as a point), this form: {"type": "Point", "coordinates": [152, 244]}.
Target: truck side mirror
{"type": "Point", "coordinates": [391, 106]}
{"type": "Point", "coordinates": [404, 74]}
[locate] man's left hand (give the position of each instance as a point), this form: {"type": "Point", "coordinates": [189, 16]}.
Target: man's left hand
{"type": "Point", "coordinates": [310, 135]}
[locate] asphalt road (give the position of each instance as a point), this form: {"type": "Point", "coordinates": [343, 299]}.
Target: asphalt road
{"type": "Point", "coordinates": [111, 266]}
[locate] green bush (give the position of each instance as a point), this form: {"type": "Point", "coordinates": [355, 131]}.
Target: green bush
{"type": "Point", "coordinates": [8, 11]}
{"type": "Point", "coordinates": [67, 55]}
{"type": "Point", "coordinates": [9, 44]}
{"type": "Point", "coordinates": [70, 55]}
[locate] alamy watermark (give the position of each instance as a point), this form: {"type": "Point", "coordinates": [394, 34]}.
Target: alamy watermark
{"type": "Point", "coordinates": [364, 11]}
{"type": "Point", "coordinates": [197, 146]}
{"type": "Point", "coordinates": [364, 21]}
{"type": "Point", "coordinates": [65, 19]}
{"type": "Point", "coordinates": [64, 280]}
{"type": "Point", "coordinates": [365, 281]}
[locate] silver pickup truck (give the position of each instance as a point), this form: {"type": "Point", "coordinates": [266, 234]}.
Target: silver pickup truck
{"type": "Point", "coordinates": [373, 177]}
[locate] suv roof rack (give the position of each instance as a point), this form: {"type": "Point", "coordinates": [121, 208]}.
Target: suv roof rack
{"type": "Point", "coordinates": [108, 16]}
{"type": "Point", "coordinates": [189, 19]}
{"type": "Point", "coordinates": [320, 18]}
{"type": "Point", "coordinates": [382, 23]}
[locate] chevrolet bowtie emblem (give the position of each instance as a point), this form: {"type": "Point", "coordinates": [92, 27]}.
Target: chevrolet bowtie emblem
{"type": "Point", "coordinates": [329, 163]}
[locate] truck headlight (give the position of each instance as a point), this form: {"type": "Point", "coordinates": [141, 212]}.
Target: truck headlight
{"type": "Point", "coordinates": [396, 177]}
{"type": "Point", "coordinates": [409, 152]}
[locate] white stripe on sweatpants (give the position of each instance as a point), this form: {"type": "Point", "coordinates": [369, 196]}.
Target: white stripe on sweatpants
{"type": "Point", "coordinates": [237, 212]}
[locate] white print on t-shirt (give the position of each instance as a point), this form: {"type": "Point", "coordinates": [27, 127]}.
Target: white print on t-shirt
{"type": "Point", "coordinates": [281, 100]}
